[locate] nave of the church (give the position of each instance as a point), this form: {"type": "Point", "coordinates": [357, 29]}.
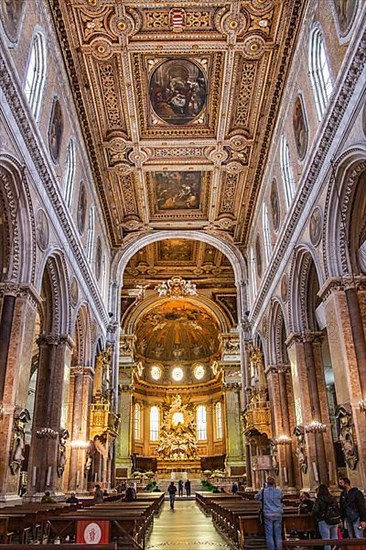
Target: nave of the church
{"type": "Point", "coordinates": [182, 256]}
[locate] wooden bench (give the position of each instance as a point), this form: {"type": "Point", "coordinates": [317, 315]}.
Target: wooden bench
{"type": "Point", "coordinates": [69, 546]}
{"type": "Point", "coordinates": [355, 544]}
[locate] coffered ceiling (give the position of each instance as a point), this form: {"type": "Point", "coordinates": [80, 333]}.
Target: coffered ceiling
{"type": "Point", "coordinates": [177, 101]}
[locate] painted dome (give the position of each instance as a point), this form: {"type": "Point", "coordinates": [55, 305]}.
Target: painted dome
{"type": "Point", "coordinates": [177, 330]}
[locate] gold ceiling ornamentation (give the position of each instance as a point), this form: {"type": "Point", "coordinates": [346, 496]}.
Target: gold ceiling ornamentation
{"type": "Point", "coordinates": [187, 88]}
{"type": "Point", "coordinates": [176, 288]}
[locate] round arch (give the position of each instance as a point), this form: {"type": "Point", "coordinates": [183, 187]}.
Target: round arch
{"type": "Point", "coordinates": [302, 263]}
{"type": "Point", "coordinates": [276, 323]}
{"type": "Point", "coordinates": [82, 335]}
{"type": "Point", "coordinates": [228, 249]}
{"type": "Point", "coordinates": [17, 210]}
{"type": "Point", "coordinates": [339, 210]}
{"type": "Point", "coordinates": [55, 267]}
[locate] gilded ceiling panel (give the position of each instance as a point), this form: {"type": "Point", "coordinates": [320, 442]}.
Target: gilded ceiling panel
{"type": "Point", "coordinates": [176, 94]}
{"type": "Point", "coordinates": [178, 194]}
{"type": "Point", "coordinates": [170, 94]}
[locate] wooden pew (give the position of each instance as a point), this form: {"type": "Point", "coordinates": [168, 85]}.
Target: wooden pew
{"type": "Point", "coordinates": [112, 546]}
{"type": "Point", "coordinates": [354, 544]}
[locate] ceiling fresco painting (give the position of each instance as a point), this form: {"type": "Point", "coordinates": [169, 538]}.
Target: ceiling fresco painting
{"type": "Point", "coordinates": [175, 250]}
{"type": "Point", "coordinates": [178, 91]}
{"type": "Point", "coordinates": [177, 190]}
{"type": "Point", "coordinates": [178, 194]}
{"type": "Point", "coordinates": [177, 331]}
{"type": "Point", "coordinates": [167, 87]}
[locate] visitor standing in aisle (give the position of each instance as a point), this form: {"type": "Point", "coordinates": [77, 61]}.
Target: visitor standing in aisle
{"type": "Point", "coordinates": [327, 514]}
{"type": "Point", "coordinates": [180, 487]}
{"type": "Point", "coordinates": [271, 500]}
{"type": "Point", "coordinates": [353, 509]}
{"type": "Point", "coordinates": [172, 490]}
{"type": "Point", "coordinates": [188, 488]}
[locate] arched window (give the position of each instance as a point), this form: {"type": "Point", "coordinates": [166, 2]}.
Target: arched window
{"type": "Point", "coordinates": [286, 170]}
{"type": "Point", "coordinates": [266, 233]}
{"type": "Point", "coordinates": [154, 423]}
{"type": "Point", "coordinates": [36, 74]}
{"type": "Point", "coordinates": [137, 421]}
{"type": "Point", "coordinates": [201, 423]}
{"type": "Point", "coordinates": [91, 229]}
{"type": "Point", "coordinates": [69, 175]}
{"type": "Point", "coordinates": [218, 414]}
{"type": "Point", "coordinates": [253, 271]}
{"type": "Point", "coordinates": [319, 71]}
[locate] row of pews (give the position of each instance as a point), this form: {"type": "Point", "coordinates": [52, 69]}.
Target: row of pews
{"type": "Point", "coordinates": [236, 517]}
{"type": "Point", "coordinates": [127, 523]}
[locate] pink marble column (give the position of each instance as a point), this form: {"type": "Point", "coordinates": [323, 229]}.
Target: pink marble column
{"type": "Point", "coordinates": [45, 445]}
{"type": "Point", "coordinates": [17, 322]}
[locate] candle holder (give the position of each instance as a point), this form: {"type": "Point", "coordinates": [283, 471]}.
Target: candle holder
{"type": "Point", "coordinates": [283, 440]}
{"type": "Point", "coordinates": [315, 427]}
{"type": "Point", "coordinates": [362, 405]}
{"type": "Point", "coordinates": [46, 433]}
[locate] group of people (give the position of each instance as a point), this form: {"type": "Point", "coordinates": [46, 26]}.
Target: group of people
{"type": "Point", "coordinates": [349, 512]}
{"type": "Point", "coordinates": [172, 490]}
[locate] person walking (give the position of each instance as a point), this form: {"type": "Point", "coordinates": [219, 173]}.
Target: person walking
{"type": "Point", "coordinates": [234, 488]}
{"type": "Point", "coordinates": [180, 487]}
{"type": "Point", "coordinates": [271, 498]}
{"type": "Point", "coordinates": [353, 509]}
{"type": "Point", "coordinates": [327, 514]}
{"type": "Point", "coordinates": [172, 490]}
{"type": "Point", "coordinates": [187, 485]}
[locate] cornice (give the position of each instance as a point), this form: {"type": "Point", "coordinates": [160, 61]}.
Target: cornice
{"type": "Point", "coordinates": [293, 27]}
{"type": "Point", "coordinates": [329, 132]}
{"type": "Point", "coordinates": [83, 118]}
{"type": "Point", "coordinates": [340, 284]}
{"type": "Point", "coordinates": [21, 291]}
{"type": "Point", "coordinates": [12, 95]}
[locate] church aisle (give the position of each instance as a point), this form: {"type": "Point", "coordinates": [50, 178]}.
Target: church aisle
{"type": "Point", "coordinates": [184, 528]}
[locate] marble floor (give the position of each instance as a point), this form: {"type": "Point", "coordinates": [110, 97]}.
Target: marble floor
{"type": "Point", "coordinates": [184, 528]}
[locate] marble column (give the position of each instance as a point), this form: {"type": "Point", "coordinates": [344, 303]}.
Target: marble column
{"type": "Point", "coordinates": [311, 404]}
{"type": "Point", "coordinates": [45, 445]}
{"type": "Point", "coordinates": [345, 311]}
{"type": "Point", "coordinates": [280, 394]}
{"type": "Point", "coordinates": [17, 325]}
{"type": "Point", "coordinates": [81, 385]}
{"type": "Point", "coordinates": [234, 434]}
{"type": "Point", "coordinates": [123, 445]}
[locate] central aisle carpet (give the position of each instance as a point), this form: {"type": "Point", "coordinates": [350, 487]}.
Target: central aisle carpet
{"type": "Point", "coordinates": [184, 528]}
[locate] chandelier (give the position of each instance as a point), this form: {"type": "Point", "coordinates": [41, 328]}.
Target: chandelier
{"type": "Point", "coordinates": [176, 287]}
{"type": "Point", "coordinates": [46, 433]}
{"type": "Point", "coordinates": [315, 427]}
{"type": "Point", "coordinates": [283, 440]}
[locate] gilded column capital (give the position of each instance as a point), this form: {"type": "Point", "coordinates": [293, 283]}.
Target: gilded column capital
{"type": "Point", "coordinates": [278, 368]}
{"type": "Point", "coordinates": [83, 370]}
{"type": "Point", "coordinates": [232, 386]}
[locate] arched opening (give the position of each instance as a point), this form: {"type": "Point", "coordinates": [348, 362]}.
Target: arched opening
{"type": "Point", "coordinates": [178, 321]}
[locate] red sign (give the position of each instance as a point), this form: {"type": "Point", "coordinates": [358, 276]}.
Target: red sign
{"type": "Point", "coordinates": [92, 532]}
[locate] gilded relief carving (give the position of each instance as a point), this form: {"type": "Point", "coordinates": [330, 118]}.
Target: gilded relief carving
{"type": "Point", "coordinates": [182, 87]}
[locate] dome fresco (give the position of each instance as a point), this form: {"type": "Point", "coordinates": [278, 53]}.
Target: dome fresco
{"type": "Point", "coordinates": [177, 330]}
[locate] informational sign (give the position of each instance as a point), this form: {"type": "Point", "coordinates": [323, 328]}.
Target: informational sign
{"type": "Point", "coordinates": [92, 532]}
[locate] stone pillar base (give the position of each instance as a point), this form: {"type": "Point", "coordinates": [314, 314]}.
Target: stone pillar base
{"type": "Point", "coordinates": [10, 498]}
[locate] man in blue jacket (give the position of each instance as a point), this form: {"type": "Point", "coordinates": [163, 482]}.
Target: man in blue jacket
{"type": "Point", "coordinates": [272, 508]}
